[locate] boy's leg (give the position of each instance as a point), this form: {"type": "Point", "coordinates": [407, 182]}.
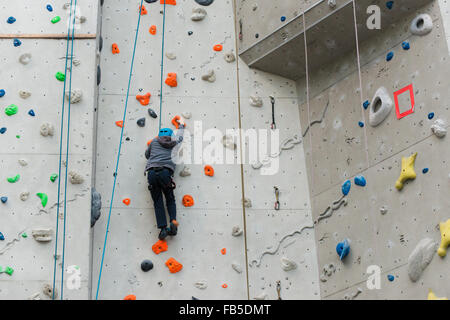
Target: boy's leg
{"type": "Point", "coordinates": [156, 192]}
{"type": "Point", "coordinates": [167, 189]}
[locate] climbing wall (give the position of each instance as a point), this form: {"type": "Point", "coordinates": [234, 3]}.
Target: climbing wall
{"type": "Point", "coordinates": [33, 50]}
{"type": "Point", "coordinates": [384, 224]}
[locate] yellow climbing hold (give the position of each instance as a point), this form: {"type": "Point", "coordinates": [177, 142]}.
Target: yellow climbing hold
{"type": "Point", "coordinates": [408, 172]}
{"type": "Point", "coordinates": [445, 238]}
{"type": "Point", "coordinates": [432, 296]}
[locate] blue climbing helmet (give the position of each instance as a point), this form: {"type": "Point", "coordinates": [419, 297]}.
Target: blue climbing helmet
{"type": "Point", "coordinates": [165, 132]}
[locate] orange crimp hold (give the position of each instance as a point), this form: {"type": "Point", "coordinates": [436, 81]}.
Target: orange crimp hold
{"type": "Point", "coordinates": [173, 265]}
{"type": "Point", "coordinates": [175, 121]}
{"type": "Point", "coordinates": [130, 297]}
{"type": "Point", "coordinates": [152, 30]}
{"type": "Point", "coordinates": [127, 201]}
{"type": "Point", "coordinates": [209, 171]}
{"type": "Point", "coordinates": [119, 123]}
{"type": "Point", "coordinates": [143, 10]}
{"type": "Point", "coordinates": [218, 47]}
{"type": "Point", "coordinates": [188, 201]}
{"type": "Point", "coordinates": [171, 80]}
{"type": "Point", "coordinates": [144, 99]}
{"type": "Point", "coordinates": [223, 251]}
{"type": "Point", "coordinates": [115, 48]}
{"type": "Point", "coordinates": [172, 2]}
{"type": "Point", "coordinates": [160, 246]}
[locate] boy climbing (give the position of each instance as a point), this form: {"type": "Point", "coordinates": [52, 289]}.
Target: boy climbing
{"type": "Point", "coordinates": [160, 169]}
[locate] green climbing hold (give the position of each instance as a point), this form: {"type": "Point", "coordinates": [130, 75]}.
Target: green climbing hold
{"type": "Point", "coordinates": [17, 136]}
{"type": "Point", "coordinates": [24, 235]}
{"type": "Point", "coordinates": [9, 270]}
{"type": "Point", "coordinates": [44, 198]}
{"type": "Point", "coordinates": [11, 110]}
{"type": "Point", "coordinates": [53, 177]}
{"type": "Point", "coordinates": [14, 179]}
{"type": "Point", "coordinates": [60, 76]}
{"type": "Point", "coordinates": [56, 19]}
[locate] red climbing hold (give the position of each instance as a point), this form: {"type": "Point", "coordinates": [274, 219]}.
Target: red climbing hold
{"type": "Point", "coordinates": [172, 2]}
{"type": "Point", "coordinates": [173, 265]}
{"type": "Point", "coordinates": [223, 251]}
{"type": "Point", "coordinates": [127, 201]}
{"type": "Point", "coordinates": [218, 47]}
{"type": "Point", "coordinates": [152, 30]}
{"type": "Point", "coordinates": [143, 10]}
{"type": "Point", "coordinates": [411, 98]}
{"type": "Point", "coordinates": [224, 286]}
{"type": "Point", "coordinates": [209, 171]}
{"type": "Point", "coordinates": [130, 297]}
{"type": "Point", "coordinates": [115, 48]}
{"type": "Point", "coordinates": [119, 123]}
{"type": "Point", "coordinates": [188, 201]}
{"type": "Point", "coordinates": [144, 99]}
{"type": "Point", "coordinates": [160, 246]}
{"type": "Point", "coordinates": [171, 80]}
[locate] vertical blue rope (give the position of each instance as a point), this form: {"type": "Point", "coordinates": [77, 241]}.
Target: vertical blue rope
{"type": "Point", "coordinates": [60, 152]}
{"type": "Point", "coordinates": [118, 153]}
{"type": "Point", "coordinates": [162, 66]}
{"type": "Point", "coordinates": [67, 152]}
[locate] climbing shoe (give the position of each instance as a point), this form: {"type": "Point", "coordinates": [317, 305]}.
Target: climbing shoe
{"type": "Point", "coordinates": [163, 233]}
{"type": "Point", "coordinates": [173, 230]}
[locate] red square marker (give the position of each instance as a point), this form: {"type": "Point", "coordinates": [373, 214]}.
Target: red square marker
{"type": "Point", "coordinates": [411, 95]}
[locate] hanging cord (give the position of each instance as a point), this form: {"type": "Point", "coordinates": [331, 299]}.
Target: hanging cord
{"type": "Point", "coordinates": [120, 148]}
{"type": "Point", "coordinates": [162, 65]}
{"type": "Point", "coordinates": [60, 146]}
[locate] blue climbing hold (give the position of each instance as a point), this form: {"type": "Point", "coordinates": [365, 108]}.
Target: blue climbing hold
{"type": "Point", "coordinates": [425, 170]}
{"type": "Point", "coordinates": [4, 199]}
{"type": "Point", "coordinates": [361, 124]}
{"type": "Point", "coordinates": [343, 248]}
{"type": "Point", "coordinates": [431, 115]}
{"type": "Point", "coordinates": [389, 4]}
{"type": "Point", "coordinates": [2, 237]}
{"type": "Point", "coordinates": [31, 113]}
{"type": "Point", "coordinates": [389, 56]}
{"type": "Point", "coordinates": [49, 8]}
{"type": "Point", "coordinates": [390, 277]}
{"type": "Point", "coordinates": [360, 181]}
{"type": "Point", "coordinates": [366, 104]}
{"type": "Point", "coordinates": [2, 93]}
{"type": "Point", "coordinates": [283, 19]}
{"type": "Point", "coordinates": [2, 130]}
{"type": "Point", "coordinates": [11, 20]}
{"type": "Point", "coordinates": [405, 45]}
{"type": "Point", "coordinates": [17, 43]}
{"type": "Point", "coordinates": [346, 187]}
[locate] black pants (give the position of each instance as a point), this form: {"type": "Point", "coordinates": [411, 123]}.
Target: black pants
{"type": "Point", "coordinates": [161, 182]}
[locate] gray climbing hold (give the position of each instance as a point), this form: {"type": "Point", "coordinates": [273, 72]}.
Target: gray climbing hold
{"type": "Point", "coordinates": [42, 234]}
{"type": "Point", "coordinates": [327, 271]}
{"type": "Point", "coordinates": [186, 115]}
{"type": "Point", "coordinates": [185, 172]}
{"type": "Point", "coordinates": [229, 57]}
{"type": "Point", "coordinates": [35, 296]}
{"type": "Point", "coordinates": [353, 295]}
{"type": "Point", "coordinates": [210, 76]}
{"type": "Point", "coordinates": [204, 2]}
{"type": "Point", "coordinates": [96, 206]}
{"type": "Point", "coordinates": [256, 101]}
{"type": "Point", "coordinates": [75, 178]}
{"type": "Point", "coordinates": [228, 142]}
{"type": "Point", "coordinates": [288, 265]}
{"type": "Point", "coordinates": [171, 55]}
{"type": "Point", "coordinates": [23, 162]}
{"type": "Point", "coordinates": [439, 128]}
{"type": "Point", "coordinates": [75, 96]}
{"type": "Point", "coordinates": [383, 210]}
{"type": "Point", "coordinates": [24, 196]}
{"type": "Point", "coordinates": [47, 129]}
{"type": "Point", "coordinates": [48, 291]}
{"type": "Point", "coordinates": [421, 25]}
{"type": "Point", "coordinates": [201, 284]}
{"type": "Point", "coordinates": [141, 122]}
{"type": "Point", "coordinates": [262, 296]}
{"type": "Point", "coordinates": [24, 94]}
{"type": "Point", "coordinates": [152, 113]}
{"type": "Point", "coordinates": [247, 203]}
{"type": "Point", "coordinates": [332, 3]}
{"type": "Point", "coordinates": [380, 107]}
{"type": "Point", "coordinates": [146, 265]}
{"type": "Point", "coordinates": [25, 58]}
{"type": "Point", "coordinates": [420, 258]}
{"type": "Point", "coordinates": [236, 231]}
{"type": "Point", "coordinates": [198, 14]}
{"type": "Point", "coordinates": [236, 267]}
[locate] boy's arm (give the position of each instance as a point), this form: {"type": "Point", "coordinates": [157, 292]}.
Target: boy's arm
{"type": "Point", "coordinates": [180, 133]}
{"type": "Point", "coordinates": [147, 152]}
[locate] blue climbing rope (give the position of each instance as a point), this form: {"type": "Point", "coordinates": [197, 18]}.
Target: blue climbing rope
{"type": "Point", "coordinates": [60, 147]}
{"type": "Point", "coordinates": [162, 65]}
{"type": "Point", "coordinates": [118, 153]}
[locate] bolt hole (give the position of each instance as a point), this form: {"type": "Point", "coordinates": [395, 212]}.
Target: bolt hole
{"type": "Point", "coordinates": [420, 23]}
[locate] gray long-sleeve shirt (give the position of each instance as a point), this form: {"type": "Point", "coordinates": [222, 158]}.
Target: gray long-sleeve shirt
{"type": "Point", "coordinates": [159, 152]}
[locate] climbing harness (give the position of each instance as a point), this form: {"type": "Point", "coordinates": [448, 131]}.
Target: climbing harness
{"type": "Point", "coordinates": [73, 7]}
{"type": "Point", "coordinates": [273, 126]}
{"type": "Point", "coordinates": [279, 289]}
{"type": "Point", "coordinates": [277, 198]}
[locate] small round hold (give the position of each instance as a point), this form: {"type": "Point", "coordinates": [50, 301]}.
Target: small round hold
{"type": "Point", "coordinates": [366, 104]}
{"type": "Point", "coordinates": [17, 43]}
{"type": "Point", "coordinates": [283, 19]}
{"type": "Point", "coordinates": [31, 113]}
{"type": "Point", "coordinates": [405, 45]}
{"type": "Point", "coordinates": [2, 130]}
{"type": "Point", "coordinates": [2, 93]}
{"type": "Point", "coordinates": [11, 20]}
{"type": "Point", "coordinates": [389, 4]}
{"type": "Point", "coordinates": [49, 8]}
{"type": "Point", "coordinates": [390, 277]}
{"type": "Point", "coordinates": [431, 115]}
{"type": "Point", "coordinates": [146, 265]}
{"type": "Point", "coordinates": [425, 170]}
{"type": "Point", "coordinates": [4, 199]}
{"type": "Point", "coordinates": [361, 124]}
{"type": "Point", "coordinates": [257, 35]}
{"type": "Point", "coordinates": [150, 1]}
{"type": "Point", "coordinates": [190, 33]}
{"type": "Point", "coordinates": [152, 113]}
{"type": "Point", "coordinates": [141, 122]}
{"type": "Point", "coordinates": [389, 56]}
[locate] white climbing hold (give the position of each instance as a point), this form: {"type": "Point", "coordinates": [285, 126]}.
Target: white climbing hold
{"type": "Point", "coordinates": [24, 196]}
{"type": "Point", "coordinates": [48, 291]}
{"type": "Point", "coordinates": [262, 296]}
{"type": "Point", "coordinates": [210, 76]}
{"type": "Point", "coordinates": [75, 96]}
{"type": "Point", "coordinates": [171, 55]}
{"type": "Point", "coordinates": [439, 128]}
{"type": "Point", "coordinates": [201, 284]}
{"type": "Point", "coordinates": [47, 129]}
{"type": "Point", "coordinates": [185, 172]}
{"type": "Point", "coordinates": [76, 62]}
{"type": "Point", "coordinates": [327, 271]}
{"type": "Point", "coordinates": [383, 210]}
{"type": "Point", "coordinates": [247, 203]}
{"type": "Point", "coordinates": [237, 231]}
{"type": "Point", "coordinates": [25, 58]}
{"type": "Point", "coordinates": [256, 101]}
{"type": "Point", "coordinates": [288, 265]}
{"type": "Point", "coordinates": [229, 57]}
{"type": "Point", "coordinates": [186, 115]}
{"type": "Point", "coordinates": [198, 14]}
{"type": "Point", "coordinates": [75, 178]}
{"type": "Point", "coordinates": [228, 142]}
{"type": "Point", "coordinates": [420, 258]}
{"type": "Point", "coordinates": [421, 25]}
{"type": "Point", "coordinates": [380, 107]}
{"type": "Point", "coordinates": [332, 3]}
{"type": "Point", "coordinates": [42, 235]}
{"type": "Point", "coordinates": [23, 162]}
{"type": "Point", "coordinates": [24, 94]}
{"type": "Point", "coordinates": [353, 295]}
{"type": "Point", "coordinates": [35, 296]}
{"type": "Point", "coordinates": [236, 267]}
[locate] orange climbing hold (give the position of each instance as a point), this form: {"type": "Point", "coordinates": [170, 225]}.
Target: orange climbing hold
{"type": "Point", "coordinates": [188, 201]}
{"type": "Point", "coordinates": [143, 10]}
{"type": "Point", "coordinates": [119, 123]}
{"type": "Point", "coordinates": [115, 48]}
{"type": "Point", "coordinates": [223, 251]}
{"type": "Point", "coordinates": [209, 171]}
{"type": "Point", "coordinates": [175, 121]}
{"type": "Point", "coordinates": [130, 297]}
{"type": "Point", "coordinates": [173, 265]}
{"type": "Point", "coordinates": [224, 286]}
{"type": "Point", "coordinates": [160, 246]}
{"type": "Point", "coordinates": [172, 2]}
{"type": "Point", "coordinates": [149, 142]}
{"type": "Point", "coordinates": [152, 30]}
{"type": "Point", "coordinates": [218, 47]}
{"type": "Point", "coordinates": [127, 201]}
{"type": "Point", "coordinates": [171, 80]}
{"type": "Point", "coordinates": [144, 99]}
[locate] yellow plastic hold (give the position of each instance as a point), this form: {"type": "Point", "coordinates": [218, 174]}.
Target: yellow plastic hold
{"type": "Point", "coordinates": [445, 238]}
{"type": "Point", "coordinates": [432, 296]}
{"type": "Point", "coordinates": [408, 172]}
